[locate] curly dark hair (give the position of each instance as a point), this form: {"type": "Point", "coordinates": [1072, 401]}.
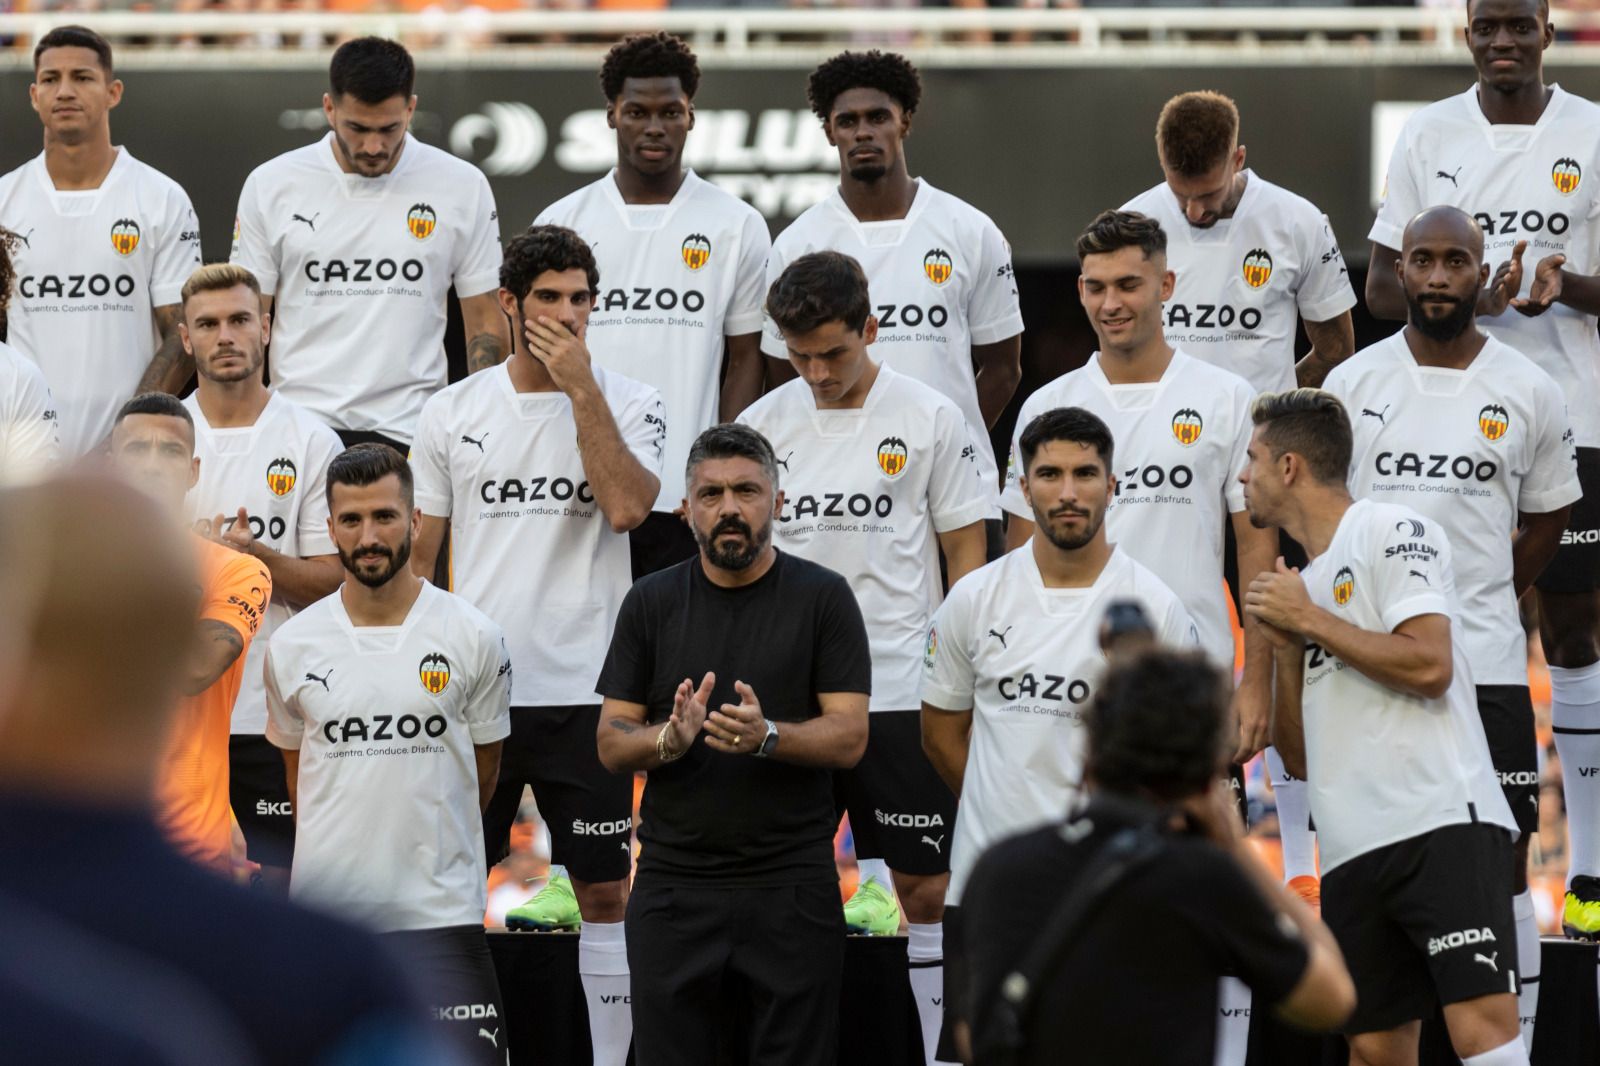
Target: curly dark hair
{"type": "Point", "coordinates": [888, 72]}
{"type": "Point", "coordinates": [544, 248]}
{"type": "Point", "coordinates": [8, 274]}
{"type": "Point", "coordinates": [1156, 725]}
{"type": "Point", "coordinates": [649, 55]}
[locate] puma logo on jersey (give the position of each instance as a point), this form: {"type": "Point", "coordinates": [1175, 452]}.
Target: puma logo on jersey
{"type": "Point", "coordinates": [26, 238]}
{"type": "Point", "coordinates": [311, 222]}
{"type": "Point", "coordinates": [1001, 636]}
{"type": "Point", "coordinates": [1381, 416]}
{"type": "Point", "coordinates": [476, 443]}
{"type": "Point", "coordinates": [784, 462]}
{"type": "Point", "coordinates": [1451, 178]}
{"type": "Point", "coordinates": [934, 844]}
{"type": "Point", "coordinates": [493, 1038]}
{"type": "Point", "coordinates": [1489, 962]}
{"type": "Point", "coordinates": [323, 680]}
{"type": "Point", "coordinates": [1424, 577]}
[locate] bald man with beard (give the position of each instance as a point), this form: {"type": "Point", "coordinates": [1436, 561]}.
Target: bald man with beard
{"type": "Point", "coordinates": [99, 631]}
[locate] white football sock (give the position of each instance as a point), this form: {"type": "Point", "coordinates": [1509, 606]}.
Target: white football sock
{"type": "Point", "coordinates": [1233, 1021]}
{"type": "Point", "coordinates": [876, 870]}
{"type": "Point", "coordinates": [1294, 820]}
{"type": "Point", "coordinates": [1575, 716]}
{"type": "Point", "coordinates": [1527, 964]}
{"type": "Point", "coordinates": [603, 968]}
{"type": "Point", "coordinates": [1512, 1054]}
{"type": "Point", "coordinates": [925, 954]}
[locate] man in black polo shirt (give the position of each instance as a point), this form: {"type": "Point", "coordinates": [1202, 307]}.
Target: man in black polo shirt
{"type": "Point", "coordinates": [1154, 941]}
{"type": "Point", "coordinates": [739, 679]}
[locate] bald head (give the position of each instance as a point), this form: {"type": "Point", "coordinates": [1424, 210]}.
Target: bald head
{"type": "Point", "coordinates": [98, 646]}
{"type": "Point", "coordinates": [1450, 225]}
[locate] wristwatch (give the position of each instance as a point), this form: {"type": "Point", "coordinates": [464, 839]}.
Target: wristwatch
{"type": "Point", "coordinates": [768, 742]}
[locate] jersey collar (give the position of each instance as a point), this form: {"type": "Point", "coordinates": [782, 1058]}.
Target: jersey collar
{"type": "Point", "coordinates": [1152, 388]}
{"type": "Point", "coordinates": [648, 216]}
{"type": "Point", "coordinates": [419, 607]}
{"type": "Point", "coordinates": [119, 166]}
{"type": "Point", "coordinates": [888, 231]}
{"type": "Point", "coordinates": [347, 182]}
{"type": "Point", "coordinates": [1558, 100]}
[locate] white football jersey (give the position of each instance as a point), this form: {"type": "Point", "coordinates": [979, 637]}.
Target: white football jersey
{"type": "Point", "coordinates": [91, 267]}
{"type": "Point", "coordinates": [866, 493]}
{"type": "Point", "coordinates": [675, 280]}
{"type": "Point", "coordinates": [1026, 659]}
{"type": "Point", "coordinates": [358, 269]}
{"type": "Point", "coordinates": [941, 282]}
{"type": "Point", "coordinates": [277, 470]}
{"type": "Point", "coordinates": [1538, 183]}
{"type": "Point", "coordinates": [1383, 766]}
{"type": "Point", "coordinates": [529, 545]}
{"type": "Point", "coordinates": [1244, 283]}
{"type": "Point", "coordinates": [1467, 449]}
{"type": "Point", "coordinates": [30, 438]}
{"type": "Point", "coordinates": [385, 718]}
{"type": "Point", "coordinates": [1178, 445]}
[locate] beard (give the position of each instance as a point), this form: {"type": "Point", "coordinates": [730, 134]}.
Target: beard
{"type": "Point", "coordinates": [251, 368]}
{"type": "Point", "coordinates": [734, 558]}
{"type": "Point", "coordinates": [397, 559]}
{"type": "Point", "coordinates": [868, 172]}
{"type": "Point", "coordinates": [1066, 541]}
{"type": "Point", "coordinates": [1452, 325]}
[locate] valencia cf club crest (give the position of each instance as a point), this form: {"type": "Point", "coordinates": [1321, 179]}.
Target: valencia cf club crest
{"type": "Point", "coordinates": [281, 476]}
{"type": "Point", "coordinates": [1344, 586]}
{"type": "Point", "coordinates": [1566, 175]}
{"type": "Point", "coordinates": [938, 266]}
{"type": "Point", "coordinates": [1493, 421]}
{"type": "Point", "coordinates": [1187, 426]}
{"type": "Point", "coordinates": [124, 236]}
{"type": "Point", "coordinates": [892, 456]}
{"type": "Point", "coordinates": [696, 251]}
{"type": "Point", "coordinates": [421, 220]}
{"type": "Point", "coordinates": [435, 672]}
{"type": "Point", "coordinates": [1257, 268]}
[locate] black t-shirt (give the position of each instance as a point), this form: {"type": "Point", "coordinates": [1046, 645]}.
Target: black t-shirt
{"type": "Point", "coordinates": [1139, 986]}
{"type": "Point", "coordinates": [736, 819]}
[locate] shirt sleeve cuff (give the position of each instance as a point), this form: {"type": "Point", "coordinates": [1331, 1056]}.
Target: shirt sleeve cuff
{"type": "Point", "coordinates": [490, 732]}
{"type": "Point", "coordinates": [1012, 502]}
{"type": "Point", "coordinates": [1386, 234]}
{"type": "Point", "coordinates": [1332, 307]}
{"type": "Point", "coordinates": [1551, 499]}
{"type": "Point", "coordinates": [164, 294]}
{"type": "Point", "coordinates": [283, 738]}
{"type": "Point", "coordinates": [965, 515]}
{"type": "Point", "coordinates": [470, 285]}
{"type": "Point", "coordinates": [994, 332]}
{"type": "Point", "coordinates": [433, 504]}
{"type": "Point", "coordinates": [736, 325]}
{"type": "Point", "coordinates": [317, 543]}
{"type": "Point", "coordinates": [1414, 607]}
{"type": "Point", "coordinates": [945, 699]}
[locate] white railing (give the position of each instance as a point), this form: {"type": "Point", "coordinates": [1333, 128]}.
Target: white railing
{"type": "Point", "coordinates": [747, 35]}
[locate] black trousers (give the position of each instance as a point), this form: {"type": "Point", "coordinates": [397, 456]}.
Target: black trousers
{"type": "Point", "coordinates": [751, 971]}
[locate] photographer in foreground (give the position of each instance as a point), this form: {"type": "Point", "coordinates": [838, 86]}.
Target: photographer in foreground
{"type": "Point", "coordinates": [1080, 933]}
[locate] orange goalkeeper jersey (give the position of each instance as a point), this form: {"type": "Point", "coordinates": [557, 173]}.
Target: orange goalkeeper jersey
{"type": "Point", "coordinates": [192, 791]}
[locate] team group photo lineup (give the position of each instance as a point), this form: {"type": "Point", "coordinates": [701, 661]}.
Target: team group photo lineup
{"type": "Point", "coordinates": [664, 630]}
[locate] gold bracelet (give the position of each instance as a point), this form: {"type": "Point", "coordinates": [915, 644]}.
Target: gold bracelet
{"type": "Point", "coordinates": [661, 746]}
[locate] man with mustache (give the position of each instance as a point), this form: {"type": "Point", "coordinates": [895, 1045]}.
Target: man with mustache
{"type": "Point", "coordinates": [390, 699]}
{"type": "Point", "coordinates": [1013, 658]}
{"type": "Point", "coordinates": [356, 239]}
{"type": "Point", "coordinates": [263, 464]}
{"type": "Point", "coordinates": [943, 289]}
{"type": "Point", "coordinates": [739, 680]}
{"type": "Point", "coordinates": [1476, 438]}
